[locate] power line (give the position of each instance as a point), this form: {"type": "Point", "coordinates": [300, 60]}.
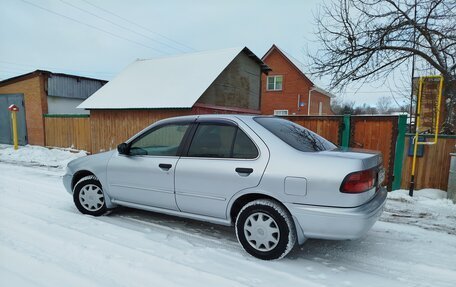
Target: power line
{"type": "Point", "coordinates": [13, 71]}
{"type": "Point", "coordinates": [371, 92]}
{"type": "Point", "coordinates": [118, 25]}
{"type": "Point", "coordinates": [20, 69]}
{"type": "Point", "coordinates": [138, 25]}
{"type": "Point", "coordinates": [92, 26]}
{"type": "Point", "coordinates": [53, 67]}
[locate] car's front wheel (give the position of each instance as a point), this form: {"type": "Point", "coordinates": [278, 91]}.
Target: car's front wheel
{"type": "Point", "coordinates": [265, 229]}
{"type": "Point", "coordinates": [88, 196]}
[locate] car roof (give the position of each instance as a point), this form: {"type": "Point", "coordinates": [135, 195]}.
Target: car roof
{"type": "Point", "coordinates": [190, 118]}
{"type": "Point", "coordinates": [224, 116]}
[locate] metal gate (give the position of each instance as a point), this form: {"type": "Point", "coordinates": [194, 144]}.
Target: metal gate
{"type": "Point", "coordinates": [6, 133]}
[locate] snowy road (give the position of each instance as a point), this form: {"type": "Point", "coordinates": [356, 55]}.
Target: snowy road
{"type": "Point", "coordinates": [45, 241]}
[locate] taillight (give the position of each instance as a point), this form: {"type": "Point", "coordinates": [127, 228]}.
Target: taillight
{"type": "Point", "coordinates": [359, 181]}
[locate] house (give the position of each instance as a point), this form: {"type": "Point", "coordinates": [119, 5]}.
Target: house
{"type": "Point", "coordinates": [286, 90]}
{"type": "Point", "coordinates": [220, 81]}
{"type": "Point", "coordinates": [39, 93]}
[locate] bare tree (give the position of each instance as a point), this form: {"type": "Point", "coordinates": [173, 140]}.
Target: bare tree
{"type": "Point", "coordinates": [337, 104]}
{"type": "Point", "coordinates": [368, 39]}
{"type": "Point", "coordinates": [383, 105]}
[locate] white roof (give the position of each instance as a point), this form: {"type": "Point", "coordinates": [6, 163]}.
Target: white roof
{"type": "Point", "coordinates": [322, 91]}
{"type": "Point", "coordinates": [171, 82]}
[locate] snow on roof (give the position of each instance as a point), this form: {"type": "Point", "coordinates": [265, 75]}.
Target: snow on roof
{"type": "Point", "coordinates": [322, 91]}
{"type": "Point", "coordinates": [169, 82]}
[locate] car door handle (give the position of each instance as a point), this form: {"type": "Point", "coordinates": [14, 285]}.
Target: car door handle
{"type": "Point", "coordinates": [165, 166]}
{"type": "Point", "coordinates": [244, 170]}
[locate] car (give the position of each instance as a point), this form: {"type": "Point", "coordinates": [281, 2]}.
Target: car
{"type": "Point", "coordinates": [277, 182]}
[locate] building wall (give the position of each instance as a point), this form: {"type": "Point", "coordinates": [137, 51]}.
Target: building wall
{"type": "Point", "coordinates": [109, 128]}
{"type": "Point", "coordinates": [72, 86]}
{"type": "Point", "coordinates": [237, 86]}
{"type": "Point", "coordinates": [295, 89]}
{"type": "Point", "coordinates": [35, 105]}
{"type": "Point", "coordinates": [315, 99]}
{"type": "Point", "coordinates": [59, 105]}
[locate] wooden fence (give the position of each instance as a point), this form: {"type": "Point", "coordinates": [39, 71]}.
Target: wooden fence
{"type": "Point", "coordinates": [432, 169]}
{"type": "Point", "coordinates": [376, 133]}
{"type": "Point", "coordinates": [367, 132]}
{"type": "Point", "coordinates": [329, 127]}
{"type": "Point", "coordinates": [104, 130]}
{"type": "Point", "coordinates": [68, 131]}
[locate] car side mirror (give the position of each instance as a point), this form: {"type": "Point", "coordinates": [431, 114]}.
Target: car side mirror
{"type": "Point", "coordinates": [123, 148]}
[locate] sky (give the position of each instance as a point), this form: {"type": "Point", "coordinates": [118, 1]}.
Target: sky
{"type": "Point", "coordinates": [98, 38]}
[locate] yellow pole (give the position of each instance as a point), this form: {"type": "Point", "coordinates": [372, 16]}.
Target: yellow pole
{"type": "Point", "coordinates": [439, 101]}
{"type": "Point", "coordinates": [14, 123]}
{"type": "Point", "coordinates": [415, 142]}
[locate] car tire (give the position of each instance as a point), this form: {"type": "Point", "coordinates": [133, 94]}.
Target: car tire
{"type": "Point", "coordinates": [265, 229]}
{"type": "Point", "coordinates": [88, 196]}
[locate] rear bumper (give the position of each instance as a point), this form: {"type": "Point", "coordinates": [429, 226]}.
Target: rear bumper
{"type": "Point", "coordinates": [338, 223]}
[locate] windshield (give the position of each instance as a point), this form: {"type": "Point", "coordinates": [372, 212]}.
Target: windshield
{"type": "Point", "coordinates": [295, 135]}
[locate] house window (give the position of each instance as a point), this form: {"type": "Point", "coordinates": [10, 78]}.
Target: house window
{"type": "Point", "coordinates": [281, 112]}
{"type": "Point", "coordinates": [274, 83]}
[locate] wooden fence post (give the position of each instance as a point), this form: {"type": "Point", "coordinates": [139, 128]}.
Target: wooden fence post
{"type": "Point", "coordinates": [346, 132]}
{"type": "Point", "coordinates": [399, 156]}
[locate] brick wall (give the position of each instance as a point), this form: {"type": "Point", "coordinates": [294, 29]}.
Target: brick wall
{"type": "Point", "coordinates": [315, 99]}
{"type": "Point", "coordinates": [35, 105]}
{"type": "Point", "coordinates": [295, 88]}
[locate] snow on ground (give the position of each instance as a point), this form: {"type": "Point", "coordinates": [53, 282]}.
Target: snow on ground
{"type": "Point", "coordinates": [45, 241]}
{"type": "Point", "coordinates": [428, 208]}
{"type": "Point", "coordinates": [37, 156]}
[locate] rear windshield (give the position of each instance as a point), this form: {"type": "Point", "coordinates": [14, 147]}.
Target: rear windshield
{"type": "Point", "coordinates": [295, 135]}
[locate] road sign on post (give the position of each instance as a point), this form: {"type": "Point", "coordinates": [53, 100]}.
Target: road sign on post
{"type": "Point", "coordinates": [14, 109]}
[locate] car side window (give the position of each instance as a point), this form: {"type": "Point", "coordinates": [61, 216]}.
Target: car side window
{"type": "Point", "coordinates": [244, 147]}
{"type": "Point", "coordinates": [163, 141]}
{"type": "Point", "coordinates": [212, 140]}
{"type": "Point", "coordinates": [221, 141]}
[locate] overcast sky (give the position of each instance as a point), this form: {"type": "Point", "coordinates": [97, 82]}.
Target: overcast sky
{"type": "Point", "coordinates": [98, 38]}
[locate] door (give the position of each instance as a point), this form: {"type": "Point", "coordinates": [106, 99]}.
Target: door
{"type": "Point", "coordinates": [6, 132]}
{"type": "Point", "coordinates": [220, 161]}
{"type": "Point", "coordinates": [146, 175]}
{"type": "Point", "coordinates": [377, 133]}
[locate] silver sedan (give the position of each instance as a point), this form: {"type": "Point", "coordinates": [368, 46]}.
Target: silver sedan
{"type": "Point", "coordinates": [275, 181]}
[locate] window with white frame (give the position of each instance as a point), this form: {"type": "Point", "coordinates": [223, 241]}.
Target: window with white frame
{"type": "Point", "coordinates": [281, 112]}
{"type": "Point", "coordinates": [274, 83]}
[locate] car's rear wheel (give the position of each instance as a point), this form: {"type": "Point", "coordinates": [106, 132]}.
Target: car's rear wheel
{"type": "Point", "coordinates": [265, 229]}
{"type": "Point", "coordinates": [88, 196]}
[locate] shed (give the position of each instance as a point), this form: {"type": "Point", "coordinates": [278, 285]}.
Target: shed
{"type": "Point", "coordinates": [39, 93]}
{"type": "Point", "coordinates": [219, 81]}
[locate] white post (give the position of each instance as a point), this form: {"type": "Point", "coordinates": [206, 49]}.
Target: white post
{"type": "Point", "coordinates": [308, 104]}
{"type": "Point", "coordinates": [451, 190]}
